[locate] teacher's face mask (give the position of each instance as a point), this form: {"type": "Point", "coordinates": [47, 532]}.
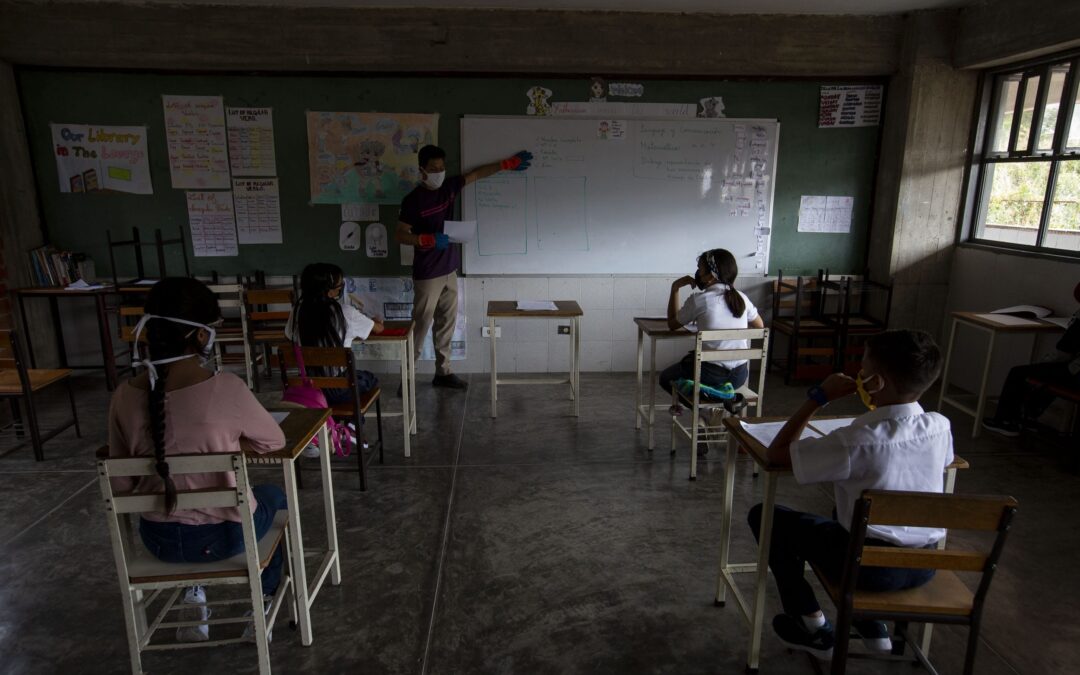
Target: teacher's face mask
{"type": "Point", "coordinates": [435, 179]}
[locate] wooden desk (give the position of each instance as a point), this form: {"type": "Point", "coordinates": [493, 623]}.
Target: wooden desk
{"type": "Point", "coordinates": [655, 329]}
{"type": "Point", "coordinates": [567, 309]}
{"type": "Point", "coordinates": [754, 614]}
{"type": "Point", "coordinates": [408, 377]}
{"type": "Point", "coordinates": [104, 334]}
{"type": "Point", "coordinates": [300, 427]}
{"type": "Point", "coordinates": [977, 322]}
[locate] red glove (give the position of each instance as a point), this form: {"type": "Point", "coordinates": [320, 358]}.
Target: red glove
{"type": "Point", "coordinates": [518, 162]}
{"type": "Point", "coordinates": [426, 241]}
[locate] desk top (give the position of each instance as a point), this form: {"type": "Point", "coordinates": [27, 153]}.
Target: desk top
{"type": "Point", "coordinates": [61, 291]}
{"type": "Point", "coordinates": [757, 451]}
{"type": "Point", "coordinates": [1035, 325]}
{"type": "Point", "coordinates": [407, 325]}
{"type": "Point", "coordinates": [508, 308]}
{"type": "Point", "coordinates": [658, 327]}
{"type": "Point", "coordinates": [299, 427]}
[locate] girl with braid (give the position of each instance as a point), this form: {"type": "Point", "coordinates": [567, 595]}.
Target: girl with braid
{"type": "Point", "coordinates": [178, 407]}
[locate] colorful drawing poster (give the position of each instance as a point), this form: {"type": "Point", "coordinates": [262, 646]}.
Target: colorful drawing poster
{"type": "Point", "coordinates": [212, 223]}
{"type": "Point", "coordinates": [251, 142]}
{"type": "Point", "coordinates": [391, 299]}
{"type": "Point", "coordinates": [258, 210]}
{"type": "Point", "coordinates": [366, 157]}
{"type": "Point", "coordinates": [196, 138]}
{"type": "Point", "coordinates": [90, 157]}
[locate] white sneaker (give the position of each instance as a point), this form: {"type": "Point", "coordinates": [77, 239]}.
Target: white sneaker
{"type": "Point", "coordinates": [249, 628]}
{"type": "Point", "coordinates": [311, 450]}
{"type": "Point", "coordinates": [196, 596]}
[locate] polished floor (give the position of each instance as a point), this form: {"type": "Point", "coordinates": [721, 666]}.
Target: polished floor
{"type": "Point", "coordinates": [532, 543]}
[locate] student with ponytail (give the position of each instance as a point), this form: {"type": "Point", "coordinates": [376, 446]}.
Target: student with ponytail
{"type": "Point", "coordinates": [175, 406]}
{"type": "Point", "coordinates": [718, 305]}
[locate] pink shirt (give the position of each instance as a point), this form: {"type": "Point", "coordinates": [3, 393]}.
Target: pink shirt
{"type": "Point", "coordinates": [209, 417]}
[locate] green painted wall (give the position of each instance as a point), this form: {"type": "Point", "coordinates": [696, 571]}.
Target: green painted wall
{"type": "Point", "coordinates": [811, 161]}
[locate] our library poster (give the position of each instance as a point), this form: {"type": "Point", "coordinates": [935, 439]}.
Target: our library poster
{"type": "Point", "coordinates": [91, 157]}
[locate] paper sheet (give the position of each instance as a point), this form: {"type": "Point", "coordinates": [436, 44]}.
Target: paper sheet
{"type": "Point", "coordinates": [1062, 321]}
{"type": "Point", "coordinates": [830, 214]}
{"type": "Point", "coordinates": [1020, 310]}
{"type": "Point", "coordinates": [212, 223]}
{"type": "Point", "coordinates": [1007, 320]}
{"type": "Point", "coordinates": [765, 432]}
{"type": "Point", "coordinates": [251, 141]}
{"type": "Point", "coordinates": [81, 285]}
{"type": "Point", "coordinates": [536, 306]}
{"type": "Point", "coordinates": [197, 142]}
{"type": "Point", "coordinates": [353, 211]}
{"type": "Point", "coordinates": [258, 210]}
{"type": "Point", "coordinates": [279, 417]}
{"type": "Point", "coordinates": [826, 427]}
{"type": "Point", "coordinates": [146, 282]}
{"type": "Point", "coordinates": [460, 231]}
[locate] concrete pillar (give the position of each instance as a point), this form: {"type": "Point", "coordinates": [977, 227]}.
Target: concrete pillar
{"type": "Point", "coordinates": [927, 125]}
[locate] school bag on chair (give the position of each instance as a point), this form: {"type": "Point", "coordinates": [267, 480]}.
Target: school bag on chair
{"type": "Point", "coordinates": [307, 395]}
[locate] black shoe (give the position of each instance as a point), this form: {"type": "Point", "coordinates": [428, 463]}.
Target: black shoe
{"type": "Point", "coordinates": [874, 634]}
{"type": "Point", "coordinates": [702, 448]}
{"type": "Point", "coordinates": [735, 405]}
{"type": "Point", "coordinates": [1003, 427]}
{"type": "Point", "coordinates": [793, 632]}
{"type": "Point", "coordinates": [450, 381]}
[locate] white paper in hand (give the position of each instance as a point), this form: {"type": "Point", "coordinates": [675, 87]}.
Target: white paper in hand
{"type": "Point", "coordinates": [460, 231]}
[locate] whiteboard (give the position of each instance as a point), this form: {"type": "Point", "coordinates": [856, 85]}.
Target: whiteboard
{"type": "Point", "coordinates": [630, 196]}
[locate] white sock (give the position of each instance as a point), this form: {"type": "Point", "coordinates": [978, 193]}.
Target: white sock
{"type": "Point", "coordinates": [813, 621]}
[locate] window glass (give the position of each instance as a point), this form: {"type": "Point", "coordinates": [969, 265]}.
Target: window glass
{"type": "Point", "coordinates": [1063, 231]}
{"type": "Point", "coordinates": [1031, 92]}
{"type": "Point", "coordinates": [1052, 110]}
{"type": "Point", "coordinates": [1003, 117]}
{"type": "Point", "coordinates": [1014, 206]}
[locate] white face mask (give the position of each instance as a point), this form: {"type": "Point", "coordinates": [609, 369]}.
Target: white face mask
{"type": "Point", "coordinates": [148, 364]}
{"type": "Point", "coordinates": [435, 180]}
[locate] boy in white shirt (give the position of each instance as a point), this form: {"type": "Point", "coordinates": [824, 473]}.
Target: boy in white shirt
{"type": "Point", "coordinates": [895, 446]}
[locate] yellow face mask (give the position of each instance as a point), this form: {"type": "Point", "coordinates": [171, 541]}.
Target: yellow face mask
{"type": "Point", "coordinates": [863, 394]}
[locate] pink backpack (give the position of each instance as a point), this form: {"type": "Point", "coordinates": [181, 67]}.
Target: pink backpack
{"type": "Point", "coordinates": [310, 396]}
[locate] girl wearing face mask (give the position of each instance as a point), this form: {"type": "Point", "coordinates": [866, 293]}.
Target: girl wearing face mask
{"type": "Point", "coordinates": [716, 305]}
{"type": "Point", "coordinates": [175, 406]}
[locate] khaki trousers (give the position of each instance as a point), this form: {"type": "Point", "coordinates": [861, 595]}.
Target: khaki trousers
{"type": "Point", "coordinates": [435, 302]}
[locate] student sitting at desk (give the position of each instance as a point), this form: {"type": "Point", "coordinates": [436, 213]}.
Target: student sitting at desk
{"type": "Point", "coordinates": [1018, 397]}
{"type": "Point", "coordinates": [895, 446]}
{"type": "Point", "coordinates": [718, 305]}
{"type": "Point", "coordinates": [178, 407]}
{"type": "Point", "coordinates": [320, 319]}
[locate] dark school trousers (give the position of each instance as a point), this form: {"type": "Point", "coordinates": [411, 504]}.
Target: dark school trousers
{"type": "Point", "coordinates": [1017, 396]}
{"type": "Point", "coordinates": [712, 374]}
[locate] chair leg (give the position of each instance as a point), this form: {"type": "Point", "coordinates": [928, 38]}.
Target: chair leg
{"type": "Point", "coordinates": [266, 360]}
{"type": "Point", "coordinates": [299, 473]}
{"type": "Point", "coordinates": [131, 622]}
{"type": "Point", "coordinates": [972, 646]}
{"type": "Point", "coordinates": [35, 433]}
{"type": "Point", "coordinates": [74, 412]}
{"type": "Point", "coordinates": [899, 639]}
{"type": "Point", "coordinates": [359, 449]}
{"type": "Point", "coordinates": [378, 424]}
{"type": "Point", "coordinates": [840, 648]}
{"type": "Point", "coordinates": [16, 418]}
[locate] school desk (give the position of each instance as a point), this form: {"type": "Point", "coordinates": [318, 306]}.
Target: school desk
{"type": "Point", "coordinates": [981, 323]}
{"type": "Point", "coordinates": [300, 426]}
{"type": "Point", "coordinates": [53, 293]}
{"type": "Point", "coordinates": [566, 309]}
{"type": "Point", "coordinates": [754, 614]}
{"type": "Point", "coordinates": [402, 336]}
{"type": "Point", "coordinates": [655, 329]}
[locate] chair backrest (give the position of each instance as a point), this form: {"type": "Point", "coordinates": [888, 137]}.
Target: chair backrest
{"type": "Point", "coordinates": [928, 509]}
{"type": "Point", "coordinates": [231, 297]}
{"type": "Point", "coordinates": [340, 359]}
{"type": "Point", "coordinates": [799, 298]}
{"type": "Point", "coordinates": [11, 358]}
{"type": "Point", "coordinates": [129, 317]}
{"type": "Point", "coordinates": [121, 505]}
{"type": "Point", "coordinates": [704, 353]}
{"type": "Point", "coordinates": [268, 305]}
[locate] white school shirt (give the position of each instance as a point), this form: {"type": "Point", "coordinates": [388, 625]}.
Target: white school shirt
{"type": "Point", "coordinates": [357, 325]}
{"type": "Point", "coordinates": [895, 447]}
{"type": "Point", "coordinates": [709, 311]}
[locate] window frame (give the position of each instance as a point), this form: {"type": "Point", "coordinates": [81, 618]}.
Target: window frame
{"type": "Point", "coordinates": [985, 126]}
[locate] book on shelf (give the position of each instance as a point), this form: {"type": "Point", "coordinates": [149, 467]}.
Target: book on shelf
{"type": "Point", "coordinates": [52, 267]}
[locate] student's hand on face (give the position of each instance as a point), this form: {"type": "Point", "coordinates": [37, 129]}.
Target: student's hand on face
{"type": "Point", "coordinates": [682, 281]}
{"type": "Point", "coordinates": [378, 327]}
{"type": "Point", "coordinates": [837, 386]}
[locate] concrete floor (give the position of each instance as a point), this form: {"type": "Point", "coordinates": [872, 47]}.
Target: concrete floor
{"type": "Point", "coordinates": [534, 543]}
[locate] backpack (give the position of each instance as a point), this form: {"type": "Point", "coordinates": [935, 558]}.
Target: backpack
{"type": "Point", "coordinates": [309, 396]}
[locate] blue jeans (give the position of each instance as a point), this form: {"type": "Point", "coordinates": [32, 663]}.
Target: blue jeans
{"type": "Point", "coordinates": [798, 538]}
{"type": "Point", "coordinates": [712, 374]}
{"type": "Point", "coordinates": [181, 543]}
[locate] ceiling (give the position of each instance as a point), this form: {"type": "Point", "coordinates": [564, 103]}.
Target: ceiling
{"type": "Point", "coordinates": [864, 7]}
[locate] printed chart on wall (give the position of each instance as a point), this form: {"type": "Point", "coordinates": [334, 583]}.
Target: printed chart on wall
{"type": "Point", "coordinates": [391, 299]}
{"type": "Point", "coordinates": [365, 157]}
{"type": "Point", "coordinates": [212, 223]}
{"type": "Point", "coordinates": [196, 139]}
{"type": "Point", "coordinates": [618, 196]}
{"type": "Point", "coordinates": [251, 141]}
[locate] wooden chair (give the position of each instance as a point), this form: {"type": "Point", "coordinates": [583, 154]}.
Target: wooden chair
{"type": "Point", "coordinates": [267, 312]}
{"type": "Point", "coordinates": [136, 244]}
{"type": "Point", "coordinates": [714, 431]}
{"type": "Point", "coordinates": [798, 313]}
{"type": "Point", "coordinates": [144, 579]}
{"type": "Point", "coordinates": [862, 309]}
{"type": "Point", "coordinates": [234, 329]}
{"type": "Point", "coordinates": [20, 384]}
{"type": "Point", "coordinates": [946, 598]}
{"type": "Point", "coordinates": [340, 359]}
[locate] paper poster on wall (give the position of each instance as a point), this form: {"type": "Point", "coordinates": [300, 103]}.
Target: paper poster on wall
{"type": "Point", "coordinates": [849, 106]}
{"type": "Point", "coordinates": [349, 236]}
{"type": "Point", "coordinates": [406, 252]}
{"type": "Point", "coordinates": [711, 106]}
{"type": "Point", "coordinates": [366, 157]}
{"type": "Point", "coordinates": [538, 101]}
{"type": "Point", "coordinates": [391, 298]}
{"type": "Point", "coordinates": [196, 139]}
{"type": "Point", "coordinates": [352, 211]}
{"type": "Point", "coordinates": [251, 141]}
{"type": "Point", "coordinates": [212, 224]}
{"type": "Point", "coordinates": [825, 214]}
{"type": "Point", "coordinates": [258, 210]}
{"type": "Point", "coordinates": [627, 89]}
{"type": "Point", "coordinates": [621, 109]}
{"type": "Point", "coordinates": [376, 242]}
{"type": "Point", "coordinates": [90, 157]}
{"type": "Point", "coordinates": [611, 130]}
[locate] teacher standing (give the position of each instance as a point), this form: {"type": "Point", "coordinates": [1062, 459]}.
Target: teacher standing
{"type": "Point", "coordinates": [435, 263]}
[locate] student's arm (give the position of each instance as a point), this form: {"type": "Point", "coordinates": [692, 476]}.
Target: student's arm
{"type": "Point", "coordinates": [758, 322]}
{"type": "Point", "coordinates": [518, 162]}
{"type": "Point", "coordinates": [258, 430]}
{"type": "Point", "coordinates": [404, 234]}
{"type": "Point", "coordinates": [673, 302]}
{"type": "Point", "coordinates": [835, 386]}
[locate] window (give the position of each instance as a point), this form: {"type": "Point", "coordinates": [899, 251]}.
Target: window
{"type": "Point", "coordinates": [1024, 183]}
